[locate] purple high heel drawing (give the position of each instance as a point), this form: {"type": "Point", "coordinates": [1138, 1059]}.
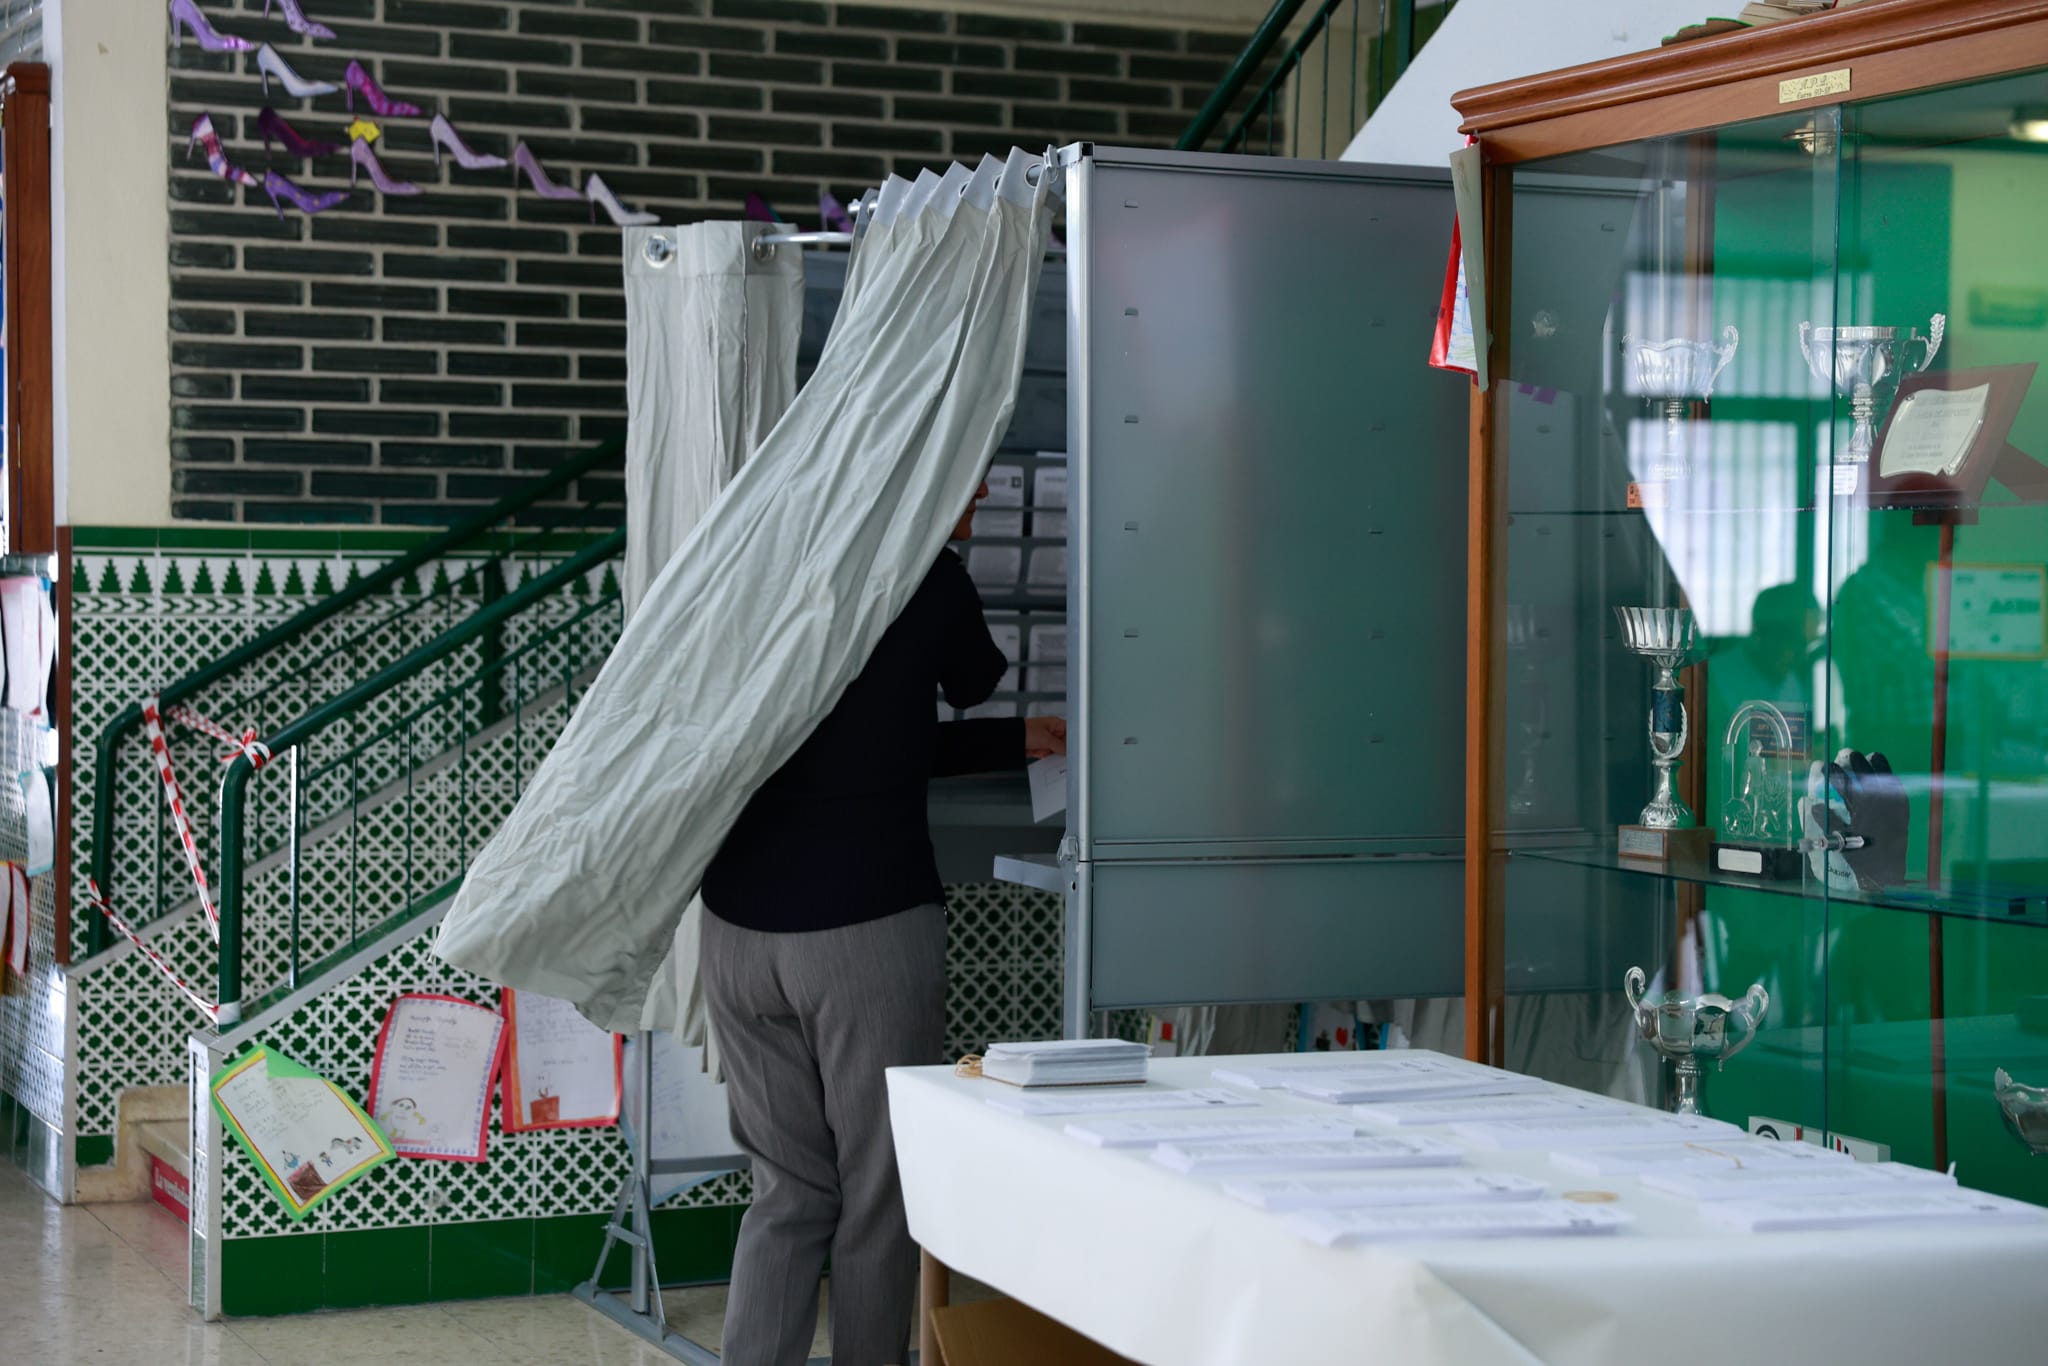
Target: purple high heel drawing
{"type": "Point", "coordinates": [185, 14]}
{"type": "Point", "coordinates": [600, 196]}
{"type": "Point", "coordinates": [467, 157]}
{"type": "Point", "coordinates": [295, 19]}
{"type": "Point", "coordinates": [282, 191]}
{"type": "Point", "coordinates": [523, 159]}
{"type": "Point", "coordinates": [360, 156]}
{"type": "Point", "coordinates": [203, 136]}
{"type": "Point", "coordinates": [271, 124]}
{"type": "Point", "coordinates": [295, 85]}
{"type": "Point", "coordinates": [359, 83]}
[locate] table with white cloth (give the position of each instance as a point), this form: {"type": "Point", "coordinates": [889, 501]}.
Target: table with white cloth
{"type": "Point", "coordinates": [1168, 1270]}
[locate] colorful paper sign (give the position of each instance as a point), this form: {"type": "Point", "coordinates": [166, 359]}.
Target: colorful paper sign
{"type": "Point", "coordinates": [430, 1082]}
{"type": "Point", "coordinates": [561, 1071]}
{"type": "Point", "coordinates": [302, 1131]}
{"type": "Point", "coordinates": [42, 822]}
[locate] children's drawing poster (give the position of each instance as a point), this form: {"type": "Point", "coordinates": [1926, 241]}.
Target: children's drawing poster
{"type": "Point", "coordinates": [302, 1131]}
{"type": "Point", "coordinates": [561, 1071]}
{"type": "Point", "coordinates": [430, 1083]}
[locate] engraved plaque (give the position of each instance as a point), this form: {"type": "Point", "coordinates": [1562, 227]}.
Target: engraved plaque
{"type": "Point", "coordinates": [1813, 87]}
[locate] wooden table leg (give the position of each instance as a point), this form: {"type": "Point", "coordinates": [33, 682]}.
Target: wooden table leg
{"type": "Point", "coordinates": [935, 1287]}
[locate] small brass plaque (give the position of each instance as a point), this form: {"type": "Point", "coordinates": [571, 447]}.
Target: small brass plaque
{"type": "Point", "coordinates": [1813, 87]}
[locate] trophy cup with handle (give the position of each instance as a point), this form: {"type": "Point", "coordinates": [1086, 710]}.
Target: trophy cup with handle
{"type": "Point", "coordinates": [2024, 1110]}
{"type": "Point", "coordinates": [1668, 637]}
{"type": "Point", "coordinates": [1671, 374]}
{"type": "Point", "coordinates": [1690, 1030]}
{"type": "Point", "coordinates": [1865, 364]}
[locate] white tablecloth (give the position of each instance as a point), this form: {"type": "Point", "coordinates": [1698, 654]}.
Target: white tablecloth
{"type": "Point", "coordinates": [1168, 1270]}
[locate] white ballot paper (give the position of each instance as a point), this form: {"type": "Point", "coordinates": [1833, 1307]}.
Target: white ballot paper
{"type": "Point", "coordinates": [1519, 1219]}
{"type": "Point", "coordinates": [1092, 1102]}
{"type": "Point", "coordinates": [430, 1082]}
{"type": "Point", "coordinates": [1761, 1183]}
{"type": "Point", "coordinates": [1117, 1132]}
{"type": "Point", "coordinates": [1048, 786]}
{"type": "Point", "coordinates": [1048, 567]}
{"type": "Point", "coordinates": [1360, 1190]}
{"type": "Point", "coordinates": [1746, 1153]}
{"type": "Point", "coordinates": [1425, 1082]}
{"type": "Point", "coordinates": [1002, 512]}
{"type": "Point", "coordinates": [1625, 1125]}
{"type": "Point", "coordinates": [561, 1071]}
{"type": "Point", "coordinates": [1008, 638]}
{"type": "Point", "coordinates": [1932, 431]}
{"type": "Point", "coordinates": [995, 566]}
{"type": "Point", "coordinates": [1005, 487]}
{"type": "Point", "coordinates": [1471, 1109]}
{"type": "Point", "coordinates": [1914, 1205]}
{"type": "Point", "coordinates": [1307, 1155]}
{"type": "Point", "coordinates": [1048, 645]}
{"type": "Point", "coordinates": [1410, 1062]}
{"type": "Point", "coordinates": [1049, 486]}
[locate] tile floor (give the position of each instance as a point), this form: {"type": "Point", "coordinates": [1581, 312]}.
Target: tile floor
{"type": "Point", "coordinates": [106, 1284]}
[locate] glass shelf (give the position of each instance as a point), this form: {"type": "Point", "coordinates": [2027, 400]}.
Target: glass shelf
{"type": "Point", "coordinates": [1998, 904]}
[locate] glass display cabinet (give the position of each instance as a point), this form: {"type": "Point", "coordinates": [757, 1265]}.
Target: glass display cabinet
{"type": "Point", "coordinates": [1758, 726]}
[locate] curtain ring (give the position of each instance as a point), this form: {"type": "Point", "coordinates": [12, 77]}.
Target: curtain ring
{"type": "Point", "coordinates": [763, 250]}
{"type": "Point", "coordinates": [658, 250]}
{"type": "Point", "coordinates": [1034, 173]}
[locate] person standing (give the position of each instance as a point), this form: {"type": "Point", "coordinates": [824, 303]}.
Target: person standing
{"type": "Point", "coordinates": [824, 963]}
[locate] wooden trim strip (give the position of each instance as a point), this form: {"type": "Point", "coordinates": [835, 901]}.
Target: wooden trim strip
{"type": "Point", "coordinates": [31, 469]}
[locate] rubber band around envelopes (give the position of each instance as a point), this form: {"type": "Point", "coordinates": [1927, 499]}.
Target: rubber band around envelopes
{"type": "Point", "coordinates": [245, 746]}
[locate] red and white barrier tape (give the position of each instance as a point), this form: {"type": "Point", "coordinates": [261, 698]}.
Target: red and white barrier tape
{"type": "Point", "coordinates": [244, 744]}
{"type": "Point", "coordinates": [206, 1007]}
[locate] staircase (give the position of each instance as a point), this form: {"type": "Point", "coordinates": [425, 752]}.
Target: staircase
{"type": "Point", "coordinates": [405, 712]}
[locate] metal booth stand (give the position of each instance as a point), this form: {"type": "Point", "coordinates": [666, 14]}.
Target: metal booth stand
{"type": "Point", "coordinates": [638, 1309]}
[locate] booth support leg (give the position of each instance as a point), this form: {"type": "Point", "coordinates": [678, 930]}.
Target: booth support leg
{"type": "Point", "coordinates": [934, 1287]}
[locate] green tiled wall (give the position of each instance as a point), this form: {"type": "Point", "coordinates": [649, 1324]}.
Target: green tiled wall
{"type": "Point", "coordinates": [295, 1273]}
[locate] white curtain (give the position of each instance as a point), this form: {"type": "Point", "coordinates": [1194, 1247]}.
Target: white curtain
{"type": "Point", "coordinates": [711, 344]}
{"type": "Point", "coordinates": [774, 602]}
{"type": "Point", "coordinates": [711, 338]}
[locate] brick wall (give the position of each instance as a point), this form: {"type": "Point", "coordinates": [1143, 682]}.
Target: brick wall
{"type": "Point", "coordinates": [394, 359]}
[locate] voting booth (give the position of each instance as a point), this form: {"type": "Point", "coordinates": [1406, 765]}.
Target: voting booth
{"type": "Point", "coordinates": [1265, 577]}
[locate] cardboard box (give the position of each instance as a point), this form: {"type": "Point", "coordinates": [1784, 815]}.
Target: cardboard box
{"type": "Point", "coordinates": [1003, 1332]}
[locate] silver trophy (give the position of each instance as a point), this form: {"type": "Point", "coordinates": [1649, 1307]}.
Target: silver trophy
{"type": "Point", "coordinates": [1692, 1029]}
{"type": "Point", "coordinates": [2025, 1111]}
{"type": "Point", "coordinates": [1668, 638]}
{"type": "Point", "coordinates": [1672, 374]}
{"type": "Point", "coordinates": [1865, 364]}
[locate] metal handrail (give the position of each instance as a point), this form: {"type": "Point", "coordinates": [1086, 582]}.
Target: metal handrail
{"type": "Point", "coordinates": [129, 720]}
{"type": "Point", "coordinates": [234, 785]}
{"type": "Point", "coordinates": [1262, 41]}
{"type": "Point", "coordinates": [1397, 33]}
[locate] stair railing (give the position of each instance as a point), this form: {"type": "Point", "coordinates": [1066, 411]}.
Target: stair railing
{"type": "Point", "coordinates": [522, 523]}
{"type": "Point", "coordinates": [558, 632]}
{"type": "Point", "coordinates": [1282, 60]}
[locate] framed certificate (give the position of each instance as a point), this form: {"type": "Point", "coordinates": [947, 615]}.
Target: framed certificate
{"type": "Point", "coordinates": [1945, 436]}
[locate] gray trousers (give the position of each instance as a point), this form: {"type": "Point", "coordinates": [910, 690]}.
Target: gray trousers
{"type": "Point", "coordinates": [806, 1024]}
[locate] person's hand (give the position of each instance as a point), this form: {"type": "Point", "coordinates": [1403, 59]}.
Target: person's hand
{"type": "Point", "coordinates": [1044, 735]}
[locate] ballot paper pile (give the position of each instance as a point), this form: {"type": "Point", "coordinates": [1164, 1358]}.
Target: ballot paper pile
{"type": "Point", "coordinates": [1353, 1149]}
{"type": "Point", "coordinates": [1066, 1062]}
